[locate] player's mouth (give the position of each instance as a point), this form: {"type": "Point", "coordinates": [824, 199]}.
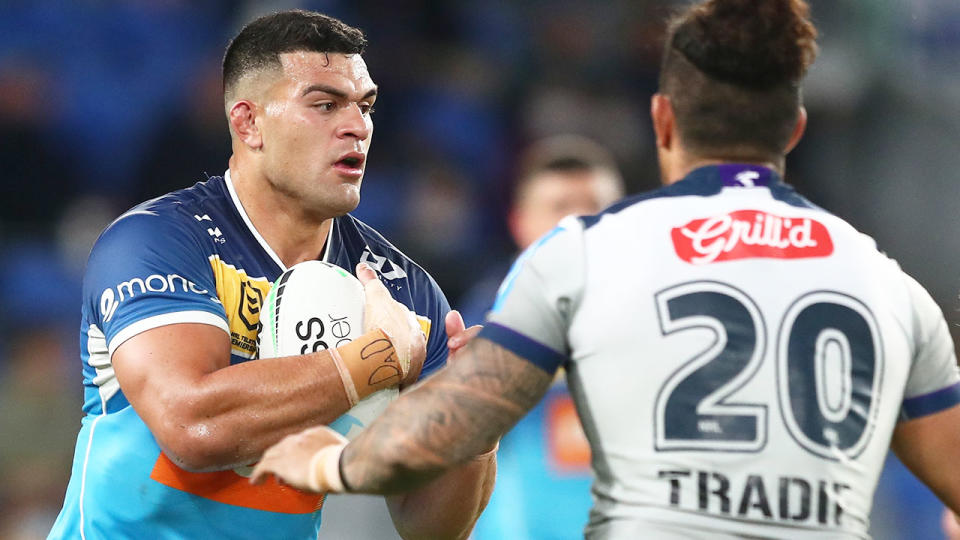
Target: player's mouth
{"type": "Point", "coordinates": [350, 164]}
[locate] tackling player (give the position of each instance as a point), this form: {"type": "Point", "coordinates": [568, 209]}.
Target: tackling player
{"type": "Point", "coordinates": [741, 360]}
{"type": "Point", "coordinates": [177, 405]}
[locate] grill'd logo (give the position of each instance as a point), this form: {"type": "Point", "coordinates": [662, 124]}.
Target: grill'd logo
{"type": "Point", "coordinates": [750, 234]}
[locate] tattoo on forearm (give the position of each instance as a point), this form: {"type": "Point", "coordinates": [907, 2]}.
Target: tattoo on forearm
{"type": "Point", "coordinates": [458, 413]}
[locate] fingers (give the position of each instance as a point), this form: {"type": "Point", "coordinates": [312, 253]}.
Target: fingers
{"type": "Point", "coordinates": [376, 296]}
{"type": "Point", "coordinates": [459, 341]}
{"type": "Point", "coordinates": [269, 462]}
{"type": "Point", "coordinates": [365, 273]}
{"type": "Point", "coordinates": [469, 334]}
{"type": "Point", "coordinates": [454, 323]}
{"type": "Point", "coordinates": [289, 459]}
{"type": "Point", "coordinates": [383, 312]}
{"type": "Point", "coordinates": [373, 288]}
{"type": "Point", "coordinates": [457, 334]}
{"type": "Point", "coordinates": [261, 472]}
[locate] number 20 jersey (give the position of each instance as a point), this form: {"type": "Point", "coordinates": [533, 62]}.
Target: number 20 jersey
{"type": "Point", "coordinates": [739, 358]}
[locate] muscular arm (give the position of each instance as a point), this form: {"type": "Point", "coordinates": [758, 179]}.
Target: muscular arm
{"type": "Point", "coordinates": [429, 450]}
{"type": "Point", "coordinates": [930, 447]}
{"type": "Point", "coordinates": [447, 506]}
{"type": "Point", "coordinates": [456, 414]}
{"type": "Point", "coordinates": [209, 415]}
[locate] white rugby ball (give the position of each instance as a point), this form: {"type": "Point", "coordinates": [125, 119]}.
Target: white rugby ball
{"type": "Point", "coordinates": [315, 306]}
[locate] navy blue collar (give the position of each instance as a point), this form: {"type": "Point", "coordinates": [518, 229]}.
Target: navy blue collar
{"type": "Point", "coordinates": [734, 175]}
{"type": "Point", "coordinates": [710, 180]}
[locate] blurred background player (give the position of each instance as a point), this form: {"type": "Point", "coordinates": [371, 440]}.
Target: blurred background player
{"type": "Point", "coordinates": [558, 176]}
{"type": "Point", "coordinates": [177, 403]}
{"type": "Point", "coordinates": [741, 359]}
{"type": "Point", "coordinates": [544, 462]}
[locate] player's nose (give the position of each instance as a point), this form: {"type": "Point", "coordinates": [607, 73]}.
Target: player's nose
{"type": "Point", "coordinates": [355, 124]}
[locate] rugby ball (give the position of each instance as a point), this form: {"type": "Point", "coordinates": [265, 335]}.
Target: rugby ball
{"type": "Point", "coordinates": [315, 306]}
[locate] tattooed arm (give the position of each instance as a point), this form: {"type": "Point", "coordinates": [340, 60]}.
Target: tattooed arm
{"type": "Point", "coordinates": [453, 418]}
{"type": "Point", "coordinates": [439, 437]}
{"type": "Point", "coordinates": [460, 412]}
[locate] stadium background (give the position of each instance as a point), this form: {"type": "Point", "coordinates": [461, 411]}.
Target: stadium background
{"type": "Point", "coordinates": [103, 104]}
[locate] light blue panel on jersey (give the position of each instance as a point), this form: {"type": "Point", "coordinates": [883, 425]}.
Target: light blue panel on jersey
{"type": "Point", "coordinates": [112, 494]}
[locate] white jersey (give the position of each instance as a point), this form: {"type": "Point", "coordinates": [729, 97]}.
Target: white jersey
{"type": "Point", "coordinates": [739, 357]}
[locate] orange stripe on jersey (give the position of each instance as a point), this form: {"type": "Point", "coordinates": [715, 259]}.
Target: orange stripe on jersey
{"type": "Point", "coordinates": [567, 445]}
{"type": "Point", "coordinates": [228, 487]}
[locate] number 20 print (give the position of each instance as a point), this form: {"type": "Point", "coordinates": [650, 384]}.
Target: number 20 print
{"type": "Point", "coordinates": [828, 368]}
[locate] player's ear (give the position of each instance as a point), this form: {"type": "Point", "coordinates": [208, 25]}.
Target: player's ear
{"type": "Point", "coordinates": [798, 129]}
{"type": "Point", "coordinates": [664, 121]}
{"type": "Point", "coordinates": [242, 118]}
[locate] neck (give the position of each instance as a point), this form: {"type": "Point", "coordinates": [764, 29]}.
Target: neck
{"type": "Point", "coordinates": [675, 170]}
{"type": "Point", "coordinates": [294, 235]}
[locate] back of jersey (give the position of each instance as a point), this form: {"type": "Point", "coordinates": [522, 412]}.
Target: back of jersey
{"type": "Point", "coordinates": [738, 357]}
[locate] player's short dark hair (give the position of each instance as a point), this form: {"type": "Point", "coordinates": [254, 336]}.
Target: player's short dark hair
{"type": "Point", "coordinates": [732, 70]}
{"type": "Point", "coordinates": [564, 154]}
{"type": "Point", "coordinates": [261, 41]}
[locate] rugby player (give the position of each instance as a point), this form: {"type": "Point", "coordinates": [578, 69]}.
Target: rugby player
{"type": "Point", "coordinates": [177, 404]}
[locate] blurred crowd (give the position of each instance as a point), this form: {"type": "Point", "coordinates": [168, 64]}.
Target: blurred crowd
{"type": "Point", "coordinates": [105, 104]}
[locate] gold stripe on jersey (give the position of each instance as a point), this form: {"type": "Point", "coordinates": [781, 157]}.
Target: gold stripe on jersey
{"type": "Point", "coordinates": [425, 325]}
{"type": "Point", "coordinates": [242, 298]}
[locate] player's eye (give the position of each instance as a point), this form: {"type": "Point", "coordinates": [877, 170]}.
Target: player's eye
{"type": "Point", "coordinates": [325, 106]}
{"type": "Point", "coordinates": [366, 108]}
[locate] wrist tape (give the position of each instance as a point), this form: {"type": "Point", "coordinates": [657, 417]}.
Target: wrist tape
{"type": "Point", "coordinates": [366, 365]}
{"type": "Point", "coordinates": [325, 470]}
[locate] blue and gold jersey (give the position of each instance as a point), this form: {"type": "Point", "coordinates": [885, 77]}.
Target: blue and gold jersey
{"type": "Point", "coordinates": [193, 256]}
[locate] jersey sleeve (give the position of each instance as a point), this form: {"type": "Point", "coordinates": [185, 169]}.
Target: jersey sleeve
{"type": "Point", "coordinates": [436, 308]}
{"type": "Point", "coordinates": [536, 300]}
{"type": "Point", "coordinates": [934, 381]}
{"type": "Point", "coordinates": [147, 270]}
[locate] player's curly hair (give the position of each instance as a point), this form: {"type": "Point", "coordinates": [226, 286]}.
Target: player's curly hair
{"type": "Point", "coordinates": [732, 70]}
{"type": "Point", "coordinates": [261, 41]}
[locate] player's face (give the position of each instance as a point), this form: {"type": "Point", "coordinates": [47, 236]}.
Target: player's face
{"type": "Point", "coordinates": [316, 130]}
